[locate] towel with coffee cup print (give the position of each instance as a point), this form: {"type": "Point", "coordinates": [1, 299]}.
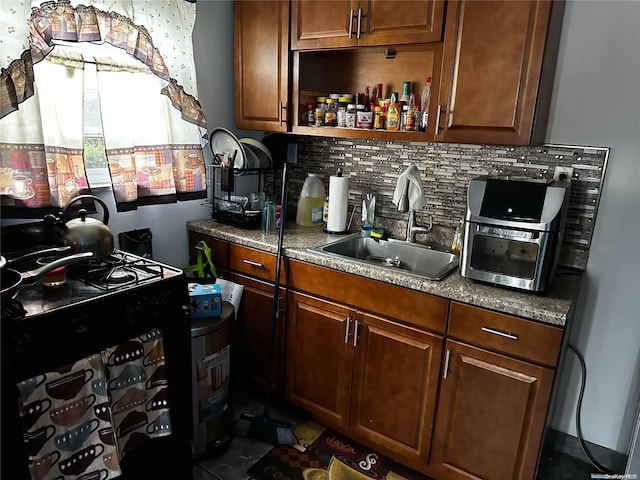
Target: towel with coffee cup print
{"type": "Point", "coordinates": [138, 387]}
{"type": "Point", "coordinates": [80, 420]}
{"type": "Point", "coordinates": [67, 426]}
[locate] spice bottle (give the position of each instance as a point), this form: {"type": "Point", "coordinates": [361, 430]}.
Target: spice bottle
{"type": "Point", "coordinates": [351, 115]}
{"type": "Point", "coordinates": [330, 113]}
{"type": "Point", "coordinates": [319, 116]}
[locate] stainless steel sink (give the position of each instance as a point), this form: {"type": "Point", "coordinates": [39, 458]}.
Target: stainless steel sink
{"type": "Point", "coordinates": [411, 258]}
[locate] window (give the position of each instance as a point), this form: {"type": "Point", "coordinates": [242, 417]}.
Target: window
{"type": "Point", "coordinates": [94, 149]}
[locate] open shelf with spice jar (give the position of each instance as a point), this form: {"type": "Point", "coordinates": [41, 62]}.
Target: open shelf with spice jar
{"type": "Point", "coordinates": [351, 71]}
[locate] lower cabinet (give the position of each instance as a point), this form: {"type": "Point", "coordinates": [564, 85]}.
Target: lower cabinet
{"type": "Point", "coordinates": [449, 389]}
{"type": "Point", "coordinates": [254, 331]}
{"type": "Point", "coordinates": [369, 377]}
{"type": "Point", "coordinates": [491, 415]}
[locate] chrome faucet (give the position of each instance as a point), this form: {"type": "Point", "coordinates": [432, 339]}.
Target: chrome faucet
{"type": "Point", "coordinates": [412, 228]}
{"type": "Point", "coordinates": [403, 206]}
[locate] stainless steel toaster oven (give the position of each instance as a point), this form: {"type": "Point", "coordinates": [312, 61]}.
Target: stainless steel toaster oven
{"type": "Point", "coordinates": [513, 231]}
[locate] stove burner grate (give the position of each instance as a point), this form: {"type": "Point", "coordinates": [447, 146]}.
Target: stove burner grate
{"type": "Point", "coordinates": [119, 276]}
{"type": "Point", "coordinates": [117, 271]}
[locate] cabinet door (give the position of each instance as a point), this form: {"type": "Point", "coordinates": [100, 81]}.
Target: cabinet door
{"type": "Point", "coordinates": [319, 358]}
{"type": "Point", "coordinates": [254, 333]}
{"type": "Point", "coordinates": [261, 64]}
{"type": "Point", "coordinates": [396, 370]}
{"type": "Point", "coordinates": [492, 62]}
{"type": "Point", "coordinates": [323, 24]}
{"type": "Point", "coordinates": [491, 415]}
{"type": "Point", "coordinates": [386, 22]}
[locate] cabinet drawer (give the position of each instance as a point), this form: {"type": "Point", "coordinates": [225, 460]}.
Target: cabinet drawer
{"type": "Point", "coordinates": [511, 335]}
{"type": "Point", "coordinates": [254, 262]}
{"type": "Point", "coordinates": [409, 306]}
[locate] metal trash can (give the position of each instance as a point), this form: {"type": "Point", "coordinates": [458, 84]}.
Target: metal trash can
{"type": "Point", "coordinates": [211, 339]}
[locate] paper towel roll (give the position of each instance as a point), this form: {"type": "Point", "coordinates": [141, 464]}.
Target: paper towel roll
{"type": "Point", "coordinates": [338, 203]}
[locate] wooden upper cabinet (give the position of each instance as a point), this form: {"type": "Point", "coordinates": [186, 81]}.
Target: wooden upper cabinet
{"type": "Point", "coordinates": [351, 23]}
{"type": "Point", "coordinates": [261, 65]}
{"type": "Point", "coordinates": [401, 22]}
{"type": "Point", "coordinates": [494, 57]}
{"type": "Point", "coordinates": [323, 24]}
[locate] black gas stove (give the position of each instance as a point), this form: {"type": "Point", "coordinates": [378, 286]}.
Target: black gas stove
{"type": "Point", "coordinates": [100, 304]}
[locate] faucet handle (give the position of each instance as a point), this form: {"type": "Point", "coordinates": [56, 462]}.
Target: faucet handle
{"type": "Point", "coordinates": [403, 203]}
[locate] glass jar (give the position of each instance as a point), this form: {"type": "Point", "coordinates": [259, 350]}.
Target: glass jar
{"type": "Point", "coordinates": [330, 114]}
{"type": "Point", "coordinates": [342, 113]}
{"type": "Point", "coordinates": [311, 114]}
{"type": "Point", "coordinates": [319, 115]}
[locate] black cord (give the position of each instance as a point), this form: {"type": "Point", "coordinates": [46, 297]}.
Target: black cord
{"type": "Point", "coordinates": [583, 368]}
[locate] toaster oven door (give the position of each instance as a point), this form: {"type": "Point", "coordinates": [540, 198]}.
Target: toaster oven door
{"type": "Point", "coordinates": [504, 256]}
{"type": "Point", "coordinates": [515, 258]}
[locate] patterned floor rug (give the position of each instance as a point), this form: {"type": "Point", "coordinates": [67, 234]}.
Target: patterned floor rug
{"type": "Point", "coordinates": [322, 454]}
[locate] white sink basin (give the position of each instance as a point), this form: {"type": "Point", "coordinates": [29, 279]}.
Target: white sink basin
{"type": "Point", "coordinates": [411, 258]}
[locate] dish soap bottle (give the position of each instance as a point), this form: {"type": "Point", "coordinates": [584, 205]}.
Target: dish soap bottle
{"type": "Point", "coordinates": [311, 202]}
{"type": "Point", "coordinates": [456, 244]}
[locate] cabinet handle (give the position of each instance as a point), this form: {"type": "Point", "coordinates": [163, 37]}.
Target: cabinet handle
{"type": "Point", "coordinates": [351, 24]}
{"type": "Point", "coordinates": [438, 119]}
{"type": "Point", "coordinates": [508, 335]}
{"type": "Point", "coordinates": [252, 263]}
{"type": "Point", "coordinates": [346, 330]}
{"type": "Point", "coordinates": [447, 358]}
{"type": "Point", "coordinates": [355, 333]}
{"type": "Point", "coordinates": [281, 118]}
{"type": "Point", "coordinates": [359, 22]}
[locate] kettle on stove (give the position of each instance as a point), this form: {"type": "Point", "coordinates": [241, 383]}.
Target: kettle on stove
{"type": "Point", "coordinates": [84, 233]}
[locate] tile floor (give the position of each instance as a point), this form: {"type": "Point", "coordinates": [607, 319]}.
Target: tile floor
{"type": "Point", "coordinates": [243, 452]}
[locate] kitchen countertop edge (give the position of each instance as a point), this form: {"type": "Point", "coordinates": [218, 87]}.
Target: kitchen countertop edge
{"type": "Point", "coordinates": [551, 308]}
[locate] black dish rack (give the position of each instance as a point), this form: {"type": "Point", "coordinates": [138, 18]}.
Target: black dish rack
{"type": "Point", "coordinates": [224, 208]}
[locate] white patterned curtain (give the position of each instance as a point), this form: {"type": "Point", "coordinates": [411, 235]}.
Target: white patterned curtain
{"type": "Point", "coordinates": [150, 114]}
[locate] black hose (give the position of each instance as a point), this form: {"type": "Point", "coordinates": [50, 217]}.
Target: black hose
{"type": "Point", "coordinates": [583, 368]}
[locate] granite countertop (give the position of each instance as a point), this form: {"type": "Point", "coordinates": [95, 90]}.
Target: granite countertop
{"type": "Point", "coordinates": [552, 308]}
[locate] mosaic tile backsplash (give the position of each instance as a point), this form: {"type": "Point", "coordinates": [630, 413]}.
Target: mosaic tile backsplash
{"type": "Point", "coordinates": [445, 169]}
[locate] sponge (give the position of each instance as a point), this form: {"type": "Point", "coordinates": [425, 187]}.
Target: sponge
{"type": "Point", "coordinates": [377, 232]}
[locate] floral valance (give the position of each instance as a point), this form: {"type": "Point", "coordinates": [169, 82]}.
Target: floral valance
{"type": "Point", "coordinates": [61, 21]}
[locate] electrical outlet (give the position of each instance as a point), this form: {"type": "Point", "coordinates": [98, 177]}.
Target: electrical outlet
{"type": "Point", "coordinates": [292, 153]}
{"type": "Point", "coordinates": [563, 173]}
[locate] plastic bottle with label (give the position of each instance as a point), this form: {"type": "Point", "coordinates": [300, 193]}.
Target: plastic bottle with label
{"type": "Point", "coordinates": [311, 202]}
{"type": "Point", "coordinates": [393, 113]}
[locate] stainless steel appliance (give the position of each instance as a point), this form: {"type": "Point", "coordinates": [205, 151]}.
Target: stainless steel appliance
{"type": "Point", "coordinates": [101, 303]}
{"type": "Point", "coordinates": [513, 231]}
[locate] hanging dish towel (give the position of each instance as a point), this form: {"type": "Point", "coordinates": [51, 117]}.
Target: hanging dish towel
{"type": "Point", "coordinates": [138, 387]}
{"type": "Point", "coordinates": [416, 194]}
{"type": "Point", "coordinates": [67, 424]}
